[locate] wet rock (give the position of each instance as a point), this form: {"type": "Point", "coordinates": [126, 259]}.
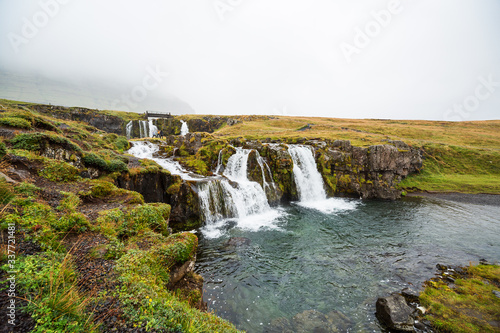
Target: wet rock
{"type": "Point", "coordinates": [394, 312]}
{"type": "Point", "coordinates": [410, 294]}
{"type": "Point", "coordinates": [177, 273]}
{"type": "Point", "coordinates": [280, 325]}
{"type": "Point", "coordinates": [340, 320]}
{"type": "Point", "coordinates": [496, 293]}
{"type": "Point", "coordinates": [238, 242]}
{"type": "Point", "coordinates": [312, 321]}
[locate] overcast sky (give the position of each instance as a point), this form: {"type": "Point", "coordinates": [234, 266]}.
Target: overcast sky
{"type": "Point", "coordinates": [425, 59]}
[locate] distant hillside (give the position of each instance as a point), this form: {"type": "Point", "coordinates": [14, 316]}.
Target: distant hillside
{"type": "Point", "coordinates": [39, 89]}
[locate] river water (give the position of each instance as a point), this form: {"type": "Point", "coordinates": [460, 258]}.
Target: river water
{"type": "Point", "coordinates": [309, 260]}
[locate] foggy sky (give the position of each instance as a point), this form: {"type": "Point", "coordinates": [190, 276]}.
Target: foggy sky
{"type": "Point", "coordinates": [431, 59]}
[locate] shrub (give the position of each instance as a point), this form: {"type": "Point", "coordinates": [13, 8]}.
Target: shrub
{"type": "Point", "coordinates": [95, 161]}
{"type": "Point", "coordinates": [59, 171]}
{"type": "Point", "coordinates": [37, 141]}
{"type": "Point", "coordinates": [117, 166]}
{"type": "Point", "coordinates": [15, 122]}
{"type": "Point", "coordinates": [27, 188]}
{"type": "Point", "coordinates": [121, 143]}
{"type": "Point", "coordinates": [178, 249]}
{"type": "Point", "coordinates": [76, 222]}
{"type": "Point", "coordinates": [69, 203]}
{"type": "Point", "coordinates": [144, 217]}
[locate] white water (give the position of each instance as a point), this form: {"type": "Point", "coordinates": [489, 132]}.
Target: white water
{"type": "Point", "coordinates": [142, 149]}
{"type": "Point", "coordinates": [235, 196]}
{"type": "Point", "coordinates": [153, 130]}
{"type": "Point", "coordinates": [219, 163]}
{"type": "Point", "coordinates": [310, 185]}
{"type": "Point", "coordinates": [143, 128]}
{"type": "Point", "coordinates": [129, 128]}
{"type": "Point", "coordinates": [184, 128]}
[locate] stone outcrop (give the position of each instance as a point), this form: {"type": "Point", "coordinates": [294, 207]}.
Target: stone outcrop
{"type": "Point", "coordinates": [370, 173]}
{"type": "Point", "coordinates": [395, 313]}
{"type": "Point", "coordinates": [161, 186]}
{"type": "Point", "coordinates": [104, 122]}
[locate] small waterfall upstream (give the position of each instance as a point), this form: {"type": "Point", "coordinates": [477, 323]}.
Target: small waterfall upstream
{"type": "Point", "coordinates": [184, 128]}
{"type": "Point", "coordinates": [153, 130]}
{"type": "Point", "coordinates": [143, 128]}
{"type": "Point", "coordinates": [144, 149]}
{"type": "Point", "coordinates": [128, 129]}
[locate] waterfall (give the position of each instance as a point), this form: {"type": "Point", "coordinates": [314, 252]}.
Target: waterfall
{"type": "Point", "coordinates": [128, 129]}
{"type": "Point", "coordinates": [266, 171]}
{"type": "Point", "coordinates": [309, 181]}
{"type": "Point", "coordinates": [144, 149]}
{"type": "Point", "coordinates": [310, 185]}
{"type": "Point", "coordinates": [184, 128]}
{"type": "Point", "coordinates": [153, 130]}
{"type": "Point", "coordinates": [219, 163]}
{"type": "Point", "coordinates": [235, 196]}
{"type": "Point", "coordinates": [143, 128]}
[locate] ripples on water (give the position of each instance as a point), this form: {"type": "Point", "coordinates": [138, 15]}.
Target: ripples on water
{"type": "Point", "coordinates": [301, 259]}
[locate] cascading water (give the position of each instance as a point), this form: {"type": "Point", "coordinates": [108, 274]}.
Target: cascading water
{"type": "Point", "coordinates": [184, 128]}
{"type": "Point", "coordinates": [128, 129]}
{"type": "Point", "coordinates": [219, 163]}
{"type": "Point", "coordinates": [266, 173]}
{"type": "Point", "coordinates": [235, 196]}
{"type": "Point", "coordinates": [153, 130]}
{"type": "Point", "coordinates": [309, 181]}
{"type": "Point", "coordinates": [143, 128]}
{"type": "Point", "coordinates": [141, 149]}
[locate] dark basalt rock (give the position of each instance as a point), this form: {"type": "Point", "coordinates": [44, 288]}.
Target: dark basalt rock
{"type": "Point", "coordinates": [395, 313]}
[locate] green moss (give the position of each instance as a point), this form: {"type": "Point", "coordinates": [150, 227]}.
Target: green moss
{"type": "Point", "coordinates": [178, 249]}
{"type": "Point", "coordinates": [149, 216]}
{"type": "Point", "coordinates": [70, 202]}
{"type": "Point", "coordinates": [38, 141]}
{"type": "Point", "coordinates": [58, 171]}
{"type": "Point", "coordinates": [470, 306]}
{"type": "Point", "coordinates": [74, 222]}
{"type": "Point", "coordinates": [15, 122]}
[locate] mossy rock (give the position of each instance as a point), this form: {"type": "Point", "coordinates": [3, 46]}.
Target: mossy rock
{"type": "Point", "coordinates": [178, 249]}
{"type": "Point", "coordinates": [40, 141]}
{"type": "Point", "coordinates": [15, 122]}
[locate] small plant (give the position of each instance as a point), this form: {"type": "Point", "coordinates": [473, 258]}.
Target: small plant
{"type": "Point", "coordinates": [15, 122]}
{"type": "Point", "coordinates": [114, 250]}
{"type": "Point", "coordinates": [59, 171]}
{"type": "Point", "coordinates": [38, 141]}
{"type": "Point", "coordinates": [69, 203]}
{"type": "Point", "coordinates": [74, 222]}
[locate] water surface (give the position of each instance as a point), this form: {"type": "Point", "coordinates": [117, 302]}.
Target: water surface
{"type": "Point", "coordinates": [341, 260]}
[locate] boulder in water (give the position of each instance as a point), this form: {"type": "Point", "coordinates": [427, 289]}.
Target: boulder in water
{"type": "Point", "coordinates": [238, 242]}
{"type": "Point", "coordinates": [395, 313]}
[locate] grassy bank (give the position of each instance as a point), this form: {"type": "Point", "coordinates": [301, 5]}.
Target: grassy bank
{"type": "Point", "coordinates": [467, 305]}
